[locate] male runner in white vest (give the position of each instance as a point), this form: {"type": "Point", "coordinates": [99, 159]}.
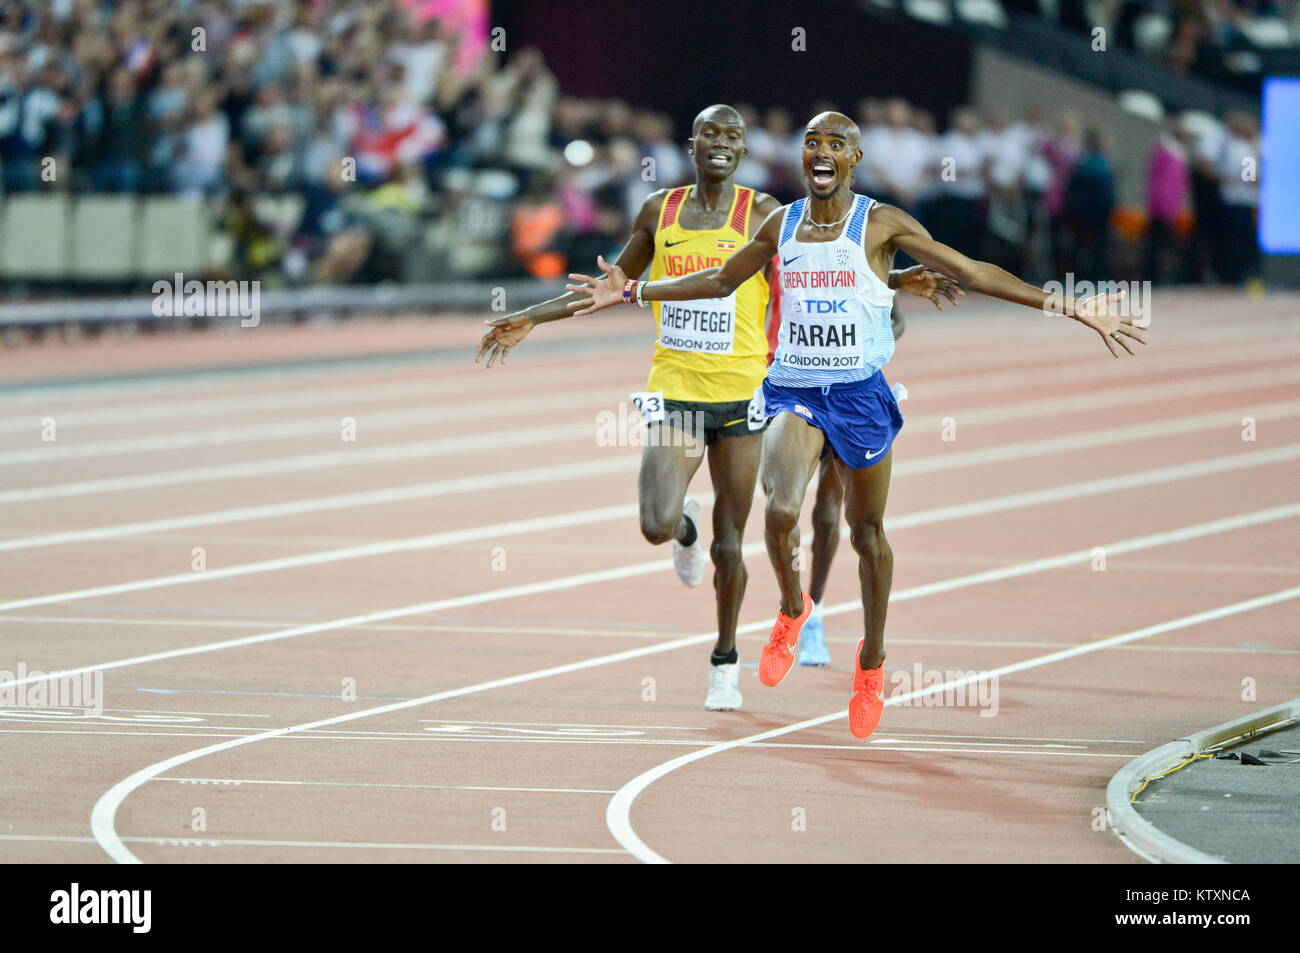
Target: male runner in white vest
{"type": "Point", "coordinates": [825, 392]}
{"type": "Point", "coordinates": [703, 372]}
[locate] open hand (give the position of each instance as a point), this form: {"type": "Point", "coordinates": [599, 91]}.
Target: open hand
{"type": "Point", "coordinates": [503, 334]}
{"type": "Point", "coordinates": [600, 292]}
{"type": "Point", "coordinates": [1103, 314]}
{"type": "Point", "coordinates": [931, 285]}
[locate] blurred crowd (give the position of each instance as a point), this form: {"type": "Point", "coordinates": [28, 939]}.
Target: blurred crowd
{"type": "Point", "coordinates": [1034, 194]}
{"type": "Point", "coordinates": [361, 140]}
{"type": "Point", "coordinates": [1211, 38]}
{"type": "Point", "coordinates": [1037, 195]}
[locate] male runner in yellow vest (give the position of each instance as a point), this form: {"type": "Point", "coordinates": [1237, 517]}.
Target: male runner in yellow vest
{"type": "Point", "coordinates": [709, 358]}
{"type": "Point", "coordinates": [826, 392]}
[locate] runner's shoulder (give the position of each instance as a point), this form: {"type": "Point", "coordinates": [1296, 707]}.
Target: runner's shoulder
{"type": "Point", "coordinates": [765, 205]}
{"type": "Point", "coordinates": [768, 212]}
{"type": "Point", "coordinates": [887, 222]}
{"type": "Point", "coordinates": [891, 216]}
{"type": "Point", "coordinates": [652, 207]}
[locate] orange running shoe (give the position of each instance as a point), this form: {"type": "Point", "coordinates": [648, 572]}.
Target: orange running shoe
{"type": "Point", "coordinates": [778, 655]}
{"type": "Point", "coordinates": [866, 705]}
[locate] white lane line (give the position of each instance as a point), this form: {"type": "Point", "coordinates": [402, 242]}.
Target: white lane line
{"type": "Point", "coordinates": [1087, 369]}
{"type": "Point", "coordinates": [240, 782]}
{"type": "Point", "coordinates": [432, 541]}
{"type": "Point", "coordinates": [77, 727]}
{"type": "Point", "coordinates": [493, 595]}
{"type": "Point", "coordinates": [1014, 501]}
{"type": "Point", "coordinates": [103, 816]}
{"type": "Point", "coordinates": [354, 737]}
{"type": "Point", "coordinates": [334, 370]}
{"type": "Point", "coordinates": [208, 732]}
{"type": "Point", "coordinates": [931, 463]}
{"type": "Point", "coordinates": [918, 749]}
{"type": "Point", "coordinates": [210, 382]}
{"type": "Point", "coordinates": [56, 712]}
{"type": "Point", "coordinates": [327, 373]}
{"type": "Point", "coordinates": [513, 592]}
{"type": "Point", "coordinates": [942, 736]}
{"type": "Point", "coordinates": [419, 389]}
{"type": "Point", "coordinates": [1073, 491]}
{"type": "Point", "coordinates": [1228, 420]}
{"type": "Point", "coordinates": [309, 462]}
{"type": "Point", "coordinates": [329, 845]}
{"type": "Point", "coordinates": [1051, 365]}
{"type": "Point", "coordinates": [993, 414]}
{"type": "Point", "coordinates": [1127, 397]}
{"type": "Point", "coordinates": [577, 630]}
{"type": "Point", "coordinates": [366, 422]}
{"type": "Point", "coordinates": [1048, 643]}
{"type": "Point", "coordinates": [602, 466]}
{"type": "Point", "coordinates": [558, 724]}
{"type": "Point", "coordinates": [618, 811]}
{"type": "Point", "coordinates": [641, 634]}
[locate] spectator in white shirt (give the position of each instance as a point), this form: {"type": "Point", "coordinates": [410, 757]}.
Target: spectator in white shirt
{"type": "Point", "coordinates": [899, 158]}
{"type": "Point", "coordinates": [953, 214]}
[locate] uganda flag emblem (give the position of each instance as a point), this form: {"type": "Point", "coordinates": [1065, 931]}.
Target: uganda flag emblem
{"type": "Point", "coordinates": [724, 245]}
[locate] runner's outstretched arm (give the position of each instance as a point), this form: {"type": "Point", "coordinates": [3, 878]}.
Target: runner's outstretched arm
{"type": "Point", "coordinates": [507, 331]}
{"type": "Point", "coordinates": [902, 232]}
{"type": "Point", "coordinates": [596, 294]}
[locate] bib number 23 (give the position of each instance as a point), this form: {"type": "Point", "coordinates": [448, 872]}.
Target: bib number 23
{"type": "Point", "coordinates": [649, 405]}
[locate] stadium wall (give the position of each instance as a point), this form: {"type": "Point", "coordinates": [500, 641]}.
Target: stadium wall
{"type": "Point", "coordinates": [687, 56]}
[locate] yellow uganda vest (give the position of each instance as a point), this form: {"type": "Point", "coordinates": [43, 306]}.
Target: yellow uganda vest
{"type": "Point", "coordinates": [714, 350]}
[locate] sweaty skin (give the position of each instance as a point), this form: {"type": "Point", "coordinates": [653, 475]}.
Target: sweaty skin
{"type": "Point", "coordinates": [790, 453]}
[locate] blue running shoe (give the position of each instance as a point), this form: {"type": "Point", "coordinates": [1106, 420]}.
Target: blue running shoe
{"type": "Point", "coordinates": [812, 641]}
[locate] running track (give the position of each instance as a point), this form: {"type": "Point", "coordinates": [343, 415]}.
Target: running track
{"type": "Point", "coordinates": [529, 674]}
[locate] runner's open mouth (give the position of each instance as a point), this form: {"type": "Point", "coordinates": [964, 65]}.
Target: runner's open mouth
{"type": "Point", "coordinates": [823, 173]}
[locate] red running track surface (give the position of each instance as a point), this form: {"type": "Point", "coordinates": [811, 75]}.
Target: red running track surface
{"type": "Point", "coordinates": [469, 568]}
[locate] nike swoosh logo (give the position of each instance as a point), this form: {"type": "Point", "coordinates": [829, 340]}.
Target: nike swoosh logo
{"type": "Point", "coordinates": [872, 456]}
{"type": "Point", "coordinates": [682, 242]}
{"type": "Point", "coordinates": [786, 261]}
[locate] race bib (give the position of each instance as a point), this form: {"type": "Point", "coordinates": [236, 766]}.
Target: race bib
{"type": "Point", "coordinates": [820, 334]}
{"type": "Point", "coordinates": [649, 405]}
{"type": "Point", "coordinates": [757, 415]}
{"type": "Point", "coordinates": [704, 327]}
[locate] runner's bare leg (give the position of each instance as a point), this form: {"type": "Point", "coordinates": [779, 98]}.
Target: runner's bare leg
{"type": "Point", "coordinates": [790, 451]}
{"type": "Point", "coordinates": [668, 462]}
{"type": "Point", "coordinates": [733, 464]}
{"type": "Point", "coordinates": [828, 505]}
{"type": "Point", "coordinates": [865, 493]}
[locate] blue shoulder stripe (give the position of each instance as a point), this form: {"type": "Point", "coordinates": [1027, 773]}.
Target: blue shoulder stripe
{"type": "Point", "coordinates": [858, 220]}
{"type": "Point", "coordinates": [792, 216]}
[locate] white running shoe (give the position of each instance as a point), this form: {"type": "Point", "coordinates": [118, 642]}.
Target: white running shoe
{"type": "Point", "coordinates": [690, 561]}
{"type": "Point", "coordinates": [724, 687]}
